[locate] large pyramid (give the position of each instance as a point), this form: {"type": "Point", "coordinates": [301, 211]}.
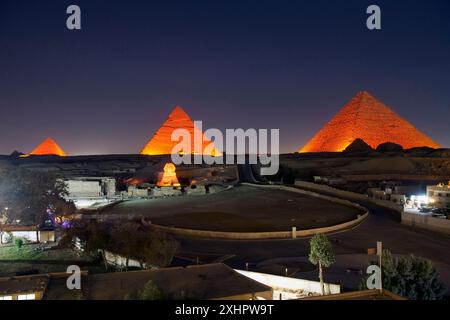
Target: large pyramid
{"type": "Point", "coordinates": [48, 147]}
{"type": "Point", "coordinates": [367, 118]}
{"type": "Point", "coordinates": [161, 142]}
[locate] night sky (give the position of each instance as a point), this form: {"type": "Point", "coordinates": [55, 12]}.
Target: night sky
{"type": "Point", "coordinates": [233, 64]}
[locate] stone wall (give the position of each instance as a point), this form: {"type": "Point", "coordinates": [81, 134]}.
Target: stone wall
{"type": "Point", "coordinates": [121, 261]}
{"type": "Point", "coordinates": [426, 222]}
{"type": "Point", "coordinates": [78, 188]}
{"type": "Point", "coordinates": [349, 195]}
{"type": "Point", "coordinates": [165, 192]}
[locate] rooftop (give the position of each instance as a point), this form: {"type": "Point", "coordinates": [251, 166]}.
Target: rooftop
{"type": "Point", "coordinates": [212, 281]}
{"type": "Point", "coordinates": [23, 284]}
{"type": "Point", "coordinates": [360, 295]}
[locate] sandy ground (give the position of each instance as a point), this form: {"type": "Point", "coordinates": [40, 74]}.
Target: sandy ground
{"type": "Point", "coordinates": [242, 209]}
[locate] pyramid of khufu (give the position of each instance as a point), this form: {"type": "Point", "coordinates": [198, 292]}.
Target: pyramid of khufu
{"type": "Point", "coordinates": [47, 148]}
{"type": "Point", "coordinates": [366, 118]}
{"type": "Point", "coordinates": [161, 143]}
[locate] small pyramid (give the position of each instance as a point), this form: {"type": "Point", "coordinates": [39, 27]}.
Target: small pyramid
{"type": "Point", "coordinates": [47, 148]}
{"type": "Point", "coordinates": [367, 118]}
{"type": "Point", "coordinates": [358, 146]}
{"type": "Point", "coordinates": [161, 143]}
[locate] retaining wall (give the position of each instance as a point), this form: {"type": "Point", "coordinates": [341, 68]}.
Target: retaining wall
{"type": "Point", "coordinates": [349, 195]}
{"type": "Point", "coordinates": [274, 234]}
{"type": "Point", "coordinates": [426, 222]}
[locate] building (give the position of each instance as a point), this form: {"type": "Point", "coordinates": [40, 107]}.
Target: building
{"type": "Point", "coordinates": [135, 192]}
{"type": "Point", "coordinates": [288, 288]}
{"type": "Point", "coordinates": [439, 195]}
{"type": "Point", "coordinates": [86, 191]}
{"type": "Point", "coordinates": [200, 282]}
{"type": "Point", "coordinates": [360, 295]}
{"type": "Point", "coordinates": [28, 233]}
{"type": "Point", "coordinates": [389, 194]}
{"type": "Point", "coordinates": [91, 187]}
{"type": "Point", "coordinates": [23, 287]}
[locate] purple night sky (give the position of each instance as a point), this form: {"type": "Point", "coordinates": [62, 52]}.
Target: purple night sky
{"type": "Point", "coordinates": [233, 64]}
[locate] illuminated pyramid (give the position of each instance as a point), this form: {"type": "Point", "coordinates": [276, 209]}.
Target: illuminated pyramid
{"type": "Point", "coordinates": [161, 142]}
{"type": "Point", "coordinates": [366, 118]}
{"type": "Point", "coordinates": [48, 147]}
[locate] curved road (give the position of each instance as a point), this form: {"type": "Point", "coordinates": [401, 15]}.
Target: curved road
{"type": "Point", "coordinates": [382, 225]}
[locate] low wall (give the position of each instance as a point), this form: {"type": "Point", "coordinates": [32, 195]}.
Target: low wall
{"type": "Point", "coordinates": [426, 222]}
{"type": "Point", "coordinates": [308, 193]}
{"type": "Point", "coordinates": [349, 195]}
{"type": "Point", "coordinates": [279, 283]}
{"type": "Point", "coordinates": [260, 235]}
{"type": "Point", "coordinates": [121, 261]}
{"type": "Point", "coordinates": [273, 234]}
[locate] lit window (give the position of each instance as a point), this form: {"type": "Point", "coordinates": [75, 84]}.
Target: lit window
{"type": "Point", "coordinates": [30, 296]}
{"type": "Point", "coordinates": [6, 298]}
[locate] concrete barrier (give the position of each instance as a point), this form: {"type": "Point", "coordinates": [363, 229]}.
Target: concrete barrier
{"type": "Point", "coordinates": [349, 195]}
{"type": "Point", "coordinates": [426, 222]}
{"type": "Point", "coordinates": [259, 235]}
{"type": "Point", "coordinates": [120, 261]}
{"type": "Point", "coordinates": [290, 285]}
{"type": "Point", "coordinates": [308, 193]}
{"type": "Point", "coordinates": [274, 234]}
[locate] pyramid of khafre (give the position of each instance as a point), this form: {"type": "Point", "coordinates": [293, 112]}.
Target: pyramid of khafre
{"type": "Point", "coordinates": [367, 118]}
{"type": "Point", "coordinates": [161, 143]}
{"type": "Point", "coordinates": [47, 148]}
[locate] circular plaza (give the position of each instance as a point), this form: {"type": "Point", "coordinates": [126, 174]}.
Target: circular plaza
{"type": "Point", "coordinates": [242, 209]}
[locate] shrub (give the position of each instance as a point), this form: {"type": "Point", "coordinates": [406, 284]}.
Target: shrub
{"type": "Point", "coordinates": [18, 242]}
{"type": "Point", "coordinates": [151, 292]}
{"type": "Point", "coordinates": [412, 277]}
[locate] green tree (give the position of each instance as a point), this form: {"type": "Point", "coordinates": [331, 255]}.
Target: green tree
{"type": "Point", "coordinates": [148, 246]}
{"type": "Point", "coordinates": [151, 292]}
{"type": "Point", "coordinates": [413, 277]}
{"type": "Point", "coordinates": [18, 242]}
{"type": "Point", "coordinates": [98, 239]}
{"type": "Point", "coordinates": [159, 249]}
{"type": "Point", "coordinates": [27, 195]}
{"type": "Point", "coordinates": [321, 253]}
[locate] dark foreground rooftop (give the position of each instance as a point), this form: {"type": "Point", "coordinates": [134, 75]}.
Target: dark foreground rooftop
{"type": "Point", "coordinates": [199, 282]}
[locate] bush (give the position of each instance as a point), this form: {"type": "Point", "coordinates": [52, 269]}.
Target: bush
{"type": "Point", "coordinates": [18, 242]}
{"type": "Point", "coordinates": [412, 277]}
{"type": "Point", "coordinates": [8, 237]}
{"type": "Point", "coordinates": [151, 292]}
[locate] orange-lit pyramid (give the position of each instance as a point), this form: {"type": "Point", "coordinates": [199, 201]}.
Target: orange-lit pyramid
{"type": "Point", "coordinates": [367, 118]}
{"type": "Point", "coordinates": [48, 147]}
{"type": "Point", "coordinates": [161, 142]}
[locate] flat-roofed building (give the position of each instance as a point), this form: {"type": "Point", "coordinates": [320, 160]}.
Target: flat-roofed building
{"type": "Point", "coordinates": [28, 233]}
{"type": "Point", "coordinates": [200, 282]}
{"type": "Point", "coordinates": [439, 195]}
{"type": "Point", "coordinates": [214, 281]}
{"type": "Point", "coordinates": [23, 287]}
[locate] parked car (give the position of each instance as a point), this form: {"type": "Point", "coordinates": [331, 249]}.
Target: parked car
{"type": "Point", "coordinates": [439, 211]}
